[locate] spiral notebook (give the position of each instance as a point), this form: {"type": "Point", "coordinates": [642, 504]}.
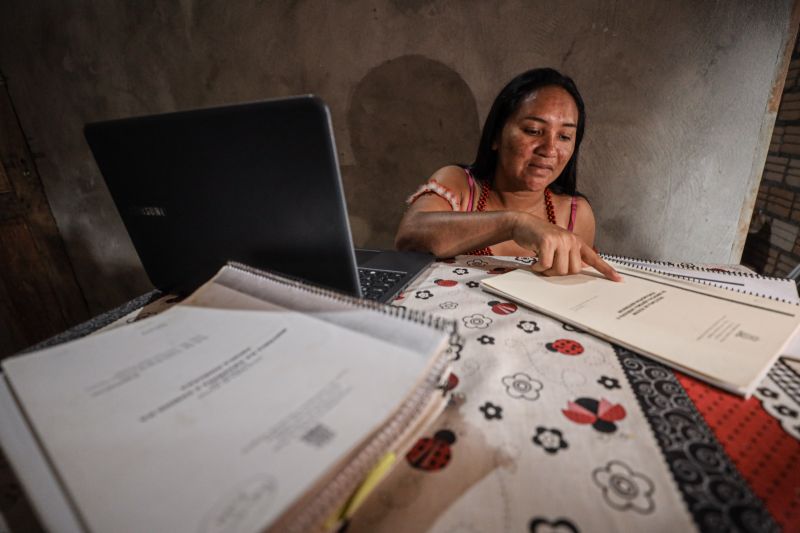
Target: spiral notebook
{"type": "Point", "coordinates": [731, 277]}
{"type": "Point", "coordinates": [683, 317]}
{"type": "Point", "coordinates": [257, 403]}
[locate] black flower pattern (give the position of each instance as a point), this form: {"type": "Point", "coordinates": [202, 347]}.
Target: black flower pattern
{"type": "Point", "coordinates": [491, 411]}
{"type": "Point", "coordinates": [525, 260]}
{"type": "Point", "coordinates": [448, 305]}
{"type": "Point", "coordinates": [477, 263]}
{"type": "Point", "coordinates": [609, 383]}
{"type": "Point", "coordinates": [455, 349]}
{"type": "Point", "coordinates": [528, 326]}
{"type": "Point", "coordinates": [550, 440]}
{"type": "Point", "coordinates": [460, 271]}
{"type": "Point", "coordinates": [423, 294]}
{"type": "Point", "coordinates": [570, 327]}
{"type": "Point", "coordinates": [476, 321]}
{"type": "Point", "coordinates": [784, 410]}
{"type": "Point", "coordinates": [473, 284]}
{"type": "Point", "coordinates": [540, 524]}
{"type": "Point", "coordinates": [485, 339]}
{"type": "Point", "coordinates": [767, 393]}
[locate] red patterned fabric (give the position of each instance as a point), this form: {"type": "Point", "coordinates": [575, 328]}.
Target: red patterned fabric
{"type": "Point", "coordinates": [763, 452]}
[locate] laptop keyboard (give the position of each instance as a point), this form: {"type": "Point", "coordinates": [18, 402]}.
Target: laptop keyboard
{"type": "Point", "coordinates": [376, 283]}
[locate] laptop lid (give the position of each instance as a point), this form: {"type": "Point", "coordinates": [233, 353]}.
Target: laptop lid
{"type": "Point", "coordinates": [257, 183]}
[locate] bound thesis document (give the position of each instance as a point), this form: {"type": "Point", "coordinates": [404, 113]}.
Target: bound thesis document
{"type": "Point", "coordinates": [258, 402]}
{"type": "Point", "coordinates": [726, 338]}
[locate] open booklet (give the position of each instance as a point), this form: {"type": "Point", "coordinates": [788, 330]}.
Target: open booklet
{"type": "Point", "coordinates": [726, 338]}
{"type": "Point", "coordinates": [257, 403]}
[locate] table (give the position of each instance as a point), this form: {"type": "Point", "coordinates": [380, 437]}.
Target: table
{"type": "Point", "coordinates": [552, 429]}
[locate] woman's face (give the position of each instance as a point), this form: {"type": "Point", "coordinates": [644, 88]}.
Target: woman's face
{"type": "Point", "coordinates": [537, 140]}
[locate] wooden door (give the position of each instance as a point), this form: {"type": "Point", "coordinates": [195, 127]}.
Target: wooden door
{"type": "Point", "coordinates": [39, 295]}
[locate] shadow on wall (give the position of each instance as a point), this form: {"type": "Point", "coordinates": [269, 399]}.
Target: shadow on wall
{"type": "Point", "coordinates": [117, 276]}
{"type": "Point", "coordinates": [757, 245]}
{"type": "Point", "coordinates": [407, 117]}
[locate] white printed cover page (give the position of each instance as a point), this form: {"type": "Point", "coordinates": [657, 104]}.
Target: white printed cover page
{"type": "Point", "coordinates": [726, 338]}
{"type": "Point", "coordinates": [204, 419]}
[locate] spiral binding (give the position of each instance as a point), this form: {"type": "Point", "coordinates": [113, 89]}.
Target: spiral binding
{"type": "Point", "coordinates": [687, 266]}
{"type": "Point", "coordinates": [636, 264]}
{"type": "Point", "coordinates": [328, 498]}
{"type": "Point", "coordinates": [413, 315]}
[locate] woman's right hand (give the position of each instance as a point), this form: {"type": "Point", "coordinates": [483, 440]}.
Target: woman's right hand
{"type": "Point", "coordinates": [559, 251]}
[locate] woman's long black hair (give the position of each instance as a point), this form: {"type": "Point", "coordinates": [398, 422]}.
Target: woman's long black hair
{"type": "Point", "coordinates": [506, 104]}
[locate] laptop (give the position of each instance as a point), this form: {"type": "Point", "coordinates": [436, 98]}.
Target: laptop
{"type": "Point", "coordinates": [256, 183]}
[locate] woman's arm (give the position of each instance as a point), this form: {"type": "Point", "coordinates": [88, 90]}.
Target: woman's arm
{"type": "Point", "coordinates": [430, 225]}
{"type": "Point", "coordinates": [446, 233]}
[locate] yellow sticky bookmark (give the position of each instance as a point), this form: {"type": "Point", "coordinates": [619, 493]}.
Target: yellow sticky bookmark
{"type": "Point", "coordinates": [370, 482]}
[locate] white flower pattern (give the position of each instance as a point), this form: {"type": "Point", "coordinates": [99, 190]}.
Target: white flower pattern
{"type": "Point", "coordinates": [625, 489]}
{"type": "Point", "coordinates": [521, 385]}
{"type": "Point", "coordinates": [476, 321]}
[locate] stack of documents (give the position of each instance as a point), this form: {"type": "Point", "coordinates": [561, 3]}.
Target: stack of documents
{"type": "Point", "coordinates": [257, 403]}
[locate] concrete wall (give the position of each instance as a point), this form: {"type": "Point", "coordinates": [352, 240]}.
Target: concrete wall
{"type": "Point", "coordinates": [677, 95]}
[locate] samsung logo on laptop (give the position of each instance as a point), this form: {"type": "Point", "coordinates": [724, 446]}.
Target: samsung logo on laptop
{"type": "Point", "coordinates": [149, 211]}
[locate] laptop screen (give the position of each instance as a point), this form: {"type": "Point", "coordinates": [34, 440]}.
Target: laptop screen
{"type": "Point", "coordinates": [257, 183]}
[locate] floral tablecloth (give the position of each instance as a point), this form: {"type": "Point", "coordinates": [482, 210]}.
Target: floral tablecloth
{"type": "Point", "coordinates": [552, 429]}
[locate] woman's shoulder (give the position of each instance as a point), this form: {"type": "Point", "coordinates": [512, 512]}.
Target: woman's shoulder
{"type": "Point", "coordinates": [452, 176]}
{"type": "Point", "coordinates": [449, 183]}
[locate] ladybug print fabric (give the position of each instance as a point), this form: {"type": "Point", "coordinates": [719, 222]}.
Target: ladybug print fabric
{"type": "Point", "coordinates": [565, 346]}
{"type": "Point", "coordinates": [536, 408]}
{"type": "Point", "coordinates": [503, 308]}
{"type": "Point", "coordinates": [601, 414]}
{"type": "Point", "coordinates": [432, 454]}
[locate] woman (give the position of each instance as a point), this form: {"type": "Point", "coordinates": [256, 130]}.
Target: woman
{"type": "Point", "coordinates": [518, 198]}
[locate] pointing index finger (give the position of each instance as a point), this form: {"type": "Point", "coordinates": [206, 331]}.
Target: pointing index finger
{"type": "Point", "coordinates": [591, 258]}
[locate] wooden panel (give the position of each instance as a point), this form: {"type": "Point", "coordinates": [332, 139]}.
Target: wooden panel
{"type": "Point", "coordinates": [11, 207]}
{"type": "Point", "coordinates": [39, 295]}
{"type": "Point", "coordinates": [31, 299]}
{"type": "Point", "coordinates": [5, 185]}
{"type": "Point", "coordinates": [15, 159]}
{"type": "Point", "coordinates": [11, 337]}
